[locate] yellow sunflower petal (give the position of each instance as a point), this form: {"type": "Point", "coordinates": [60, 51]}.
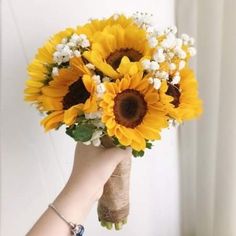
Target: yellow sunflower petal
{"type": "Point", "coordinates": [97, 60]}
{"type": "Point", "coordinates": [54, 91]}
{"type": "Point", "coordinates": [34, 84]}
{"type": "Point", "coordinates": [128, 67]}
{"type": "Point", "coordinates": [148, 132]}
{"type": "Point", "coordinates": [88, 83]}
{"type": "Point", "coordinates": [71, 114]}
{"type": "Point", "coordinates": [32, 90]}
{"type": "Point", "coordinates": [53, 120]}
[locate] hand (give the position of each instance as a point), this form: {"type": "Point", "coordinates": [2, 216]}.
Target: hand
{"type": "Point", "coordinates": [92, 168]}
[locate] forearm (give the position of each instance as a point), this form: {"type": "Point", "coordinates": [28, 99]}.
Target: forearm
{"type": "Point", "coordinates": [74, 203]}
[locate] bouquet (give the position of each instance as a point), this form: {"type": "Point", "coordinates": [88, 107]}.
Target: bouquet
{"type": "Point", "coordinates": [117, 81]}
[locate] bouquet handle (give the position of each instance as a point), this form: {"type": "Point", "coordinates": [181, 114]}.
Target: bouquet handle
{"type": "Point", "coordinates": [113, 206]}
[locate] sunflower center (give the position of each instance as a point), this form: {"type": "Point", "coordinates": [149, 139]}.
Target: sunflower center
{"type": "Point", "coordinates": [175, 93]}
{"type": "Point", "coordinates": [130, 108]}
{"type": "Point", "coordinates": [114, 58]}
{"type": "Point", "coordinates": [77, 94]}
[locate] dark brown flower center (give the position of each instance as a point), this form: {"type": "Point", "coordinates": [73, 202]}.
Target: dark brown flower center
{"type": "Point", "coordinates": [130, 108]}
{"type": "Point", "coordinates": [114, 58]}
{"type": "Point", "coordinates": [77, 94]}
{"type": "Point", "coordinates": [175, 93]}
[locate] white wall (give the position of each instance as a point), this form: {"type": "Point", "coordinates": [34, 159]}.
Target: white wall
{"type": "Point", "coordinates": [35, 165]}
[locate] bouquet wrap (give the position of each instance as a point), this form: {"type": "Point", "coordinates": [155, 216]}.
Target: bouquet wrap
{"type": "Point", "coordinates": [113, 206]}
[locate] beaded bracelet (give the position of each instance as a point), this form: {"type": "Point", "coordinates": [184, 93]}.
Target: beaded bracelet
{"type": "Point", "coordinates": [76, 229]}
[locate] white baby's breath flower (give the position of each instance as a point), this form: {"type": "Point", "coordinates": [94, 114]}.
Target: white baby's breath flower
{"type": "Point", "coordinates": [157, 32]}
{"type": "Point", "coordinates": [57, 57]}
{"type": "Point", "coordinates": [55, 71]}
{"type": "Point", "coordinates": [97, 79]}
{"type": "Point", "coordinates": [101, 89]}
{"type": "Point", "coordinates": [71, 44]}
{"type": "Point", "coordinates": [169, 42]}
{"type": "Point", "coordinates": [173, 29]}
{"type": "Point", "coordinates": [192, 51]}
{"type": "Point", "coordinates": [77, 53]}
{"type": "Point", "coordinates": [82, 37]}
{"type": "Point", "coordinates": [106, 79]}
{"type": "Point", "coordinates": [79, 40]}
{"type": "Point", "coordinates": [152, 42]}
{"type": "Point", "coordinates": [64, 40]}
{"type": "Point", "coordinates": [150, 80]}
{"type": "Point", "coordinates": [59, 47]}
{"type": "Point", "coordinates": [146, 64]}
{"type": "Point", "coordinates": [93, 115]}
{"type": "Point", "coordinates": [150, 29]}
{"type": "Point", "coordinates": [159, 57]}
{"type": "Point", "coordinates": [179, 43]}
{"type": "Point", "coordinates": [172, 66]}
{"type": "Point", "coordinates": [66, 49]}
{"type": "Point", "coordinates": [85, 43]}
{"type": "Point", "coordinates": [154, 66]}
{"type": "Point", "coordinates": [185, 37]}
{"type": "Point", "coordinates": [90, 66]}
{"type": "Point", "coordinates": [87, 143]}
{"type": "Point", "coordinates": [143, 20]}
{"type": "Point", "coordinates": [191, 41]}
{"type": "Point", "coordinates": [162, 75]}
{"type": "Point", "coordinates": [97, 134]}
{"type": "Point", "coordinates": [165, 75]}
{"type": "Point", "coordinates": [99, 124]}
{"type": "Point", "coordinates": [96, 142]}
{"type": "Point", "coordinates": [180, 53]}
{"type": "Point", "coordinates": [175, 79]}
{"type": "Point", "coordinates": [170, 54]}
{"type": "Point", "coordinates": [74, 38]}
{"type": "Point", "coordinates": [156, 83]}
{"type": "Point", "coordinates": [182, 64]}
{"type": "Point", "coordinates": [115, 16]}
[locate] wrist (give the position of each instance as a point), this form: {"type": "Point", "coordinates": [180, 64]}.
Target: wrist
{"type": "Point", "coordinates": [75, 201]}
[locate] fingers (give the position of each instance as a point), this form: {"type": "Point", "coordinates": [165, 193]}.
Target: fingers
{"type": "Point", "coordinates": [111, 156]}
{"type": "Point", "coordinates": [118, 154]}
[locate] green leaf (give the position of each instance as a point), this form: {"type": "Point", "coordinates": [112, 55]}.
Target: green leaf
{"type": "Point", "coordinates": [69, 131]}
{"type": "Point", "coordinates": [83, 133]}
{"type": "Point", "coordinates": [137, 153]}
{"type": "Point", "coordinates": [117, 143]}
{"type": "Point", "coordinates": [80, 119]}
{"type": "Point", "coordinates": [149, 145]}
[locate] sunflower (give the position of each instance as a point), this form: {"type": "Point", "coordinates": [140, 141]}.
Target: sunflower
{"type": "Point", "coordinates": [132, 111]}
{"type": "Point", "coordinates": [186, 104]}
{"type": "Point", "coordinates": [97, 25]}
{"type": "Point", "coordinates": [68, 95]}
{"type": "Point", "coordinates": [39, 69]}
{"type": "Point", "coordinates": [115, 42]}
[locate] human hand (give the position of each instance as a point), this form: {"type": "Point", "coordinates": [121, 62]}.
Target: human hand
{"type": "Point", "coordinates": [91, 169]}
{"type": "Point", "coordinates": [94, 165]}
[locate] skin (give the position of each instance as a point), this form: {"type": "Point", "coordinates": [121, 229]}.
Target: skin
{"type": "Point", "coordinates": [92, 168]}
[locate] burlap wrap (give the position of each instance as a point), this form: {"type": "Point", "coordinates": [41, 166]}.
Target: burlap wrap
{"type": "Point", "coordinates": [113, 206]}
